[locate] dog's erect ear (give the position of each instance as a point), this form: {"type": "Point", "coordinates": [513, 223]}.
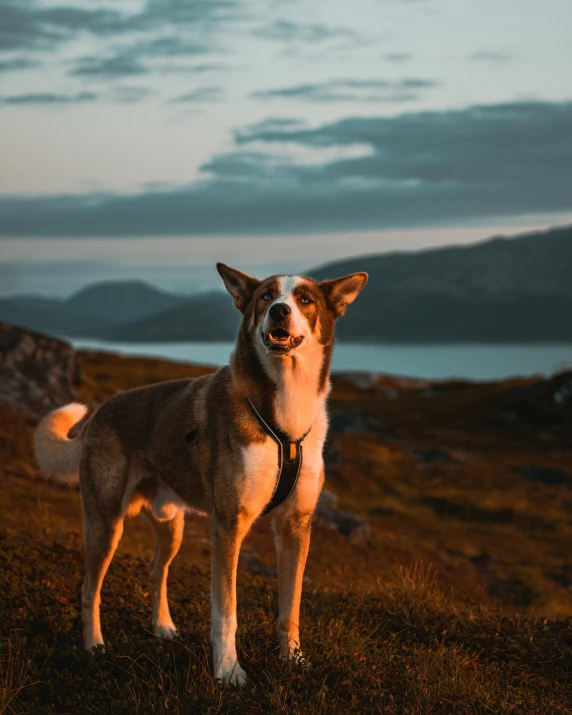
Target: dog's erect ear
{"type": "Point", "coordinates": [340, 292]}
{"type": "Point", "coordinates": [240, 285]}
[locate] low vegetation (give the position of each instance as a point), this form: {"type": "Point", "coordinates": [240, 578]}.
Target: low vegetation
{"type": "Point", "coordinates": [460, 603]}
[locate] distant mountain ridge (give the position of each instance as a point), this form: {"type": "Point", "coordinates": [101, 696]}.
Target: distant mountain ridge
{"type": "Point", "coordinates": [124, 301]}
{"type": "Point", "coordinates": [91, 309]}
{"type": "Point", "coordinates": [501, 290]}
{"type": "Point", "coordinates": [209, 317]}
{"type": "Point", "coordinates": [504, 289]}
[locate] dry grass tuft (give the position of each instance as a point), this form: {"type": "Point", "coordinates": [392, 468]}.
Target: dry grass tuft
{"type": "Point", "coordinates": [15, 674]}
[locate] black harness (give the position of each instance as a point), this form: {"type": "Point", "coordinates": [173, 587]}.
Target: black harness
{"type": "Point", "coordinates": [289, 460]}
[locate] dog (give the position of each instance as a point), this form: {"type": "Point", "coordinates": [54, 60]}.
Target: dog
{"type": "Point", "coordinates": [219, 444]}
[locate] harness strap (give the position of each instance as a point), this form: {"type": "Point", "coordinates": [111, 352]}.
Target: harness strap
{"type": "Point", "coordinates": [289, 460]}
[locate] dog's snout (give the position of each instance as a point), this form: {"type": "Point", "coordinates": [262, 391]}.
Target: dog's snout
{"type": "Point", "coordinates": [279, 311]}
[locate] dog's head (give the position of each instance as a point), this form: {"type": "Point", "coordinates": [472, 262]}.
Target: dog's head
{"type": "Point", "coordinates": [285, 315]}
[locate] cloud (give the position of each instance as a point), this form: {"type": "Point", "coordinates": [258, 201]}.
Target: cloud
{"type": "Point", "coordinates": [419, 169]}
{"type": "Point", "coordinates": [121, 95]}
{"type": "Point", "coordinates": [277, 123]}
{"type": "Point", "coordinates": [160, 29]}
{"type": "Point", "coordinates": [136, 58]}
{"type": "Point", "coordinates": [172, 46]}
{"type": "Point", "coordinates": [48, 98]}
{"type": "Point", "coordinates": [210, 67]}
{"type": "Point", "coordinates": [247, 165]}
{"type": "Point", "coordinates": [313, 40]}
{"type": "Point", "coordinates": [305, 32]}
{"type": "Point", "coordinates": [398, 56]}
{"type": "Point", "coordinates": [350, 90]}
{"type": "Point", "coordinates": [122, 64]}
{"type": "Point", "coordinates": [200, 95]}
{"type": "Point", "coordinates": [130, 95]}
{"type": "Point", "coordinates": [17, 63]}
{"type": "Point", "coordinates": [27, 26]}
{"type": "Point", "coordinates": [493, 56]}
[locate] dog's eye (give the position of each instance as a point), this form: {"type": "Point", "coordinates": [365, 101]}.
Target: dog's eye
{"type": "Point", "coordinates": [267, 296]}
{"type": "Point", "coordinates": [304, 299]}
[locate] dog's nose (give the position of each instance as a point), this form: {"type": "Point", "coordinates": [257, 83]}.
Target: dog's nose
{"type": "Point", "coordinates": [279, 311]}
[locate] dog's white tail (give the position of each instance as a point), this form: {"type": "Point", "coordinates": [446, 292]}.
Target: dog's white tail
{"type": "Point", "coordinates": [57, 455]}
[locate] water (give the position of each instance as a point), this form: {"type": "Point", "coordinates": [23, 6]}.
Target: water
{"type": "Point", "coordinates": [435, 362]}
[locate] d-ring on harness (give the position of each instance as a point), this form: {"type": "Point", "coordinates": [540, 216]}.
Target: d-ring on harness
{"type": "Point", "coordinates": [289, 460]}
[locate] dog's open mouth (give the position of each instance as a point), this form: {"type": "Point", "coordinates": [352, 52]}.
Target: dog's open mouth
{"type": "Point", "coordinates": [279, 340]}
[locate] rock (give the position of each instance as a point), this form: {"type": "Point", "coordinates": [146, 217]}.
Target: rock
{"type": "Point", "coordinates": [37, 372]}
{"type": "Point", "coordinates": [388, 386]}
{"type": "Point", "coordinates": [562, 394]}
{"type": "Point", "coordinates": [255, 565]}
{"type": "Point", "coordinates": [332, 455]}
{"type": "Point", "coordinates": [349, 422]}
{"type": "Point", "coordinates": [355, 529]}
{"type": "Point", "coordinates": [328, 500]}
{"type": "Point", "coordinates": [484, 560]}
{"type": "Point", "coordinates": [545, 475]}
{"type": "Point", "coordinates": [543, 403]}
{"type": "Point", "coordinates": [430, 456]}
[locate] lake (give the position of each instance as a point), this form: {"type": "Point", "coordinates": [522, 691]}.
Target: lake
{"type": "Point", "coordinates": [435, 362]}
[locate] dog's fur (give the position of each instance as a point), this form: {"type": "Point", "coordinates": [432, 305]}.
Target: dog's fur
{"type": "Point", "coordinates": [159, 449]}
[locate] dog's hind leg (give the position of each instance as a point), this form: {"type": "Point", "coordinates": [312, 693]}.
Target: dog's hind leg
{"type": "Point", "coordinates": [101, 539]}
{"type": "Point", "coordinates": [169, 535]}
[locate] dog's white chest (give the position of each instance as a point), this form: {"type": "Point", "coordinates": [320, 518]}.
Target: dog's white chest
{"type": "Point", "coordinates": [261, 471]}
{"type": "Point", "coordinates": [260, 462]}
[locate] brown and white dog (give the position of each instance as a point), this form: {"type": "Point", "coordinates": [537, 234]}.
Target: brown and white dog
{"type": "Point", "coordinates": [160, 449]}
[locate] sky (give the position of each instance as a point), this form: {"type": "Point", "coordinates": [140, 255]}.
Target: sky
{"type": "Point", "coordinates": [150, 138]}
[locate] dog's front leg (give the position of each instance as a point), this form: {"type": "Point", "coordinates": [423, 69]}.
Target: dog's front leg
{"type": "Point", "coordinates": [227, 538]}
{"type": "Point", "coordinates": [292, 531]}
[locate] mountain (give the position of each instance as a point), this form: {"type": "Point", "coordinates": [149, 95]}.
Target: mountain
{"type": "Point", "coordinates": [49, 315]}
{"type": "Point", "coordinates": [123, 301]}
{"type": "Point", "coordinates": [517, 289]}
{"type": "Point", "coordinates": [501, 290]}
{"type": "Point", "coordinates": [209, 317]}
{"type": "Point", "coordinates": [90, 310]}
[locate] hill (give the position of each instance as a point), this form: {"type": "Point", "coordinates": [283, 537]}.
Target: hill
{"type": "Point", "coordinates": [501, 290]}
{"type": "Point", "coordinates": [90, 310]}
{"type": "Point", "coordinates": [505, 289]}
{"type": "Point", "coordinates": [208, 317]}
{"type": "Point", "coordinates": [123, 301]}
{"type": "Point", "coordinates": [459, 601]}
{"type": "Point", "coordinates": [49, 315]}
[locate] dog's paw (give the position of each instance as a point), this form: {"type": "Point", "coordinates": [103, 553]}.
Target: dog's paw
{"type": "Point", "coordinates": [296, 656]}
{"type": "Point", "coordinates": [95, 646]}
{"type": "Point", "coordinates": [165, 630]}
{"type": "Point", "coordinates": [229, 672]}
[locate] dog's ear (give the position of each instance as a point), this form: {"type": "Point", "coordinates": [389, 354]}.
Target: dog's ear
{"type": "Point", "coordinates": [240, 285]}
{"type": "Point", "coordinates": [340, 292]}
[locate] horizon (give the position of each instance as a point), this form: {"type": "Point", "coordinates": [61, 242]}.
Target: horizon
{"type": "Point", "coordinates": [152, 139]}
{"type": "Point", "coordinates": [14, 274]}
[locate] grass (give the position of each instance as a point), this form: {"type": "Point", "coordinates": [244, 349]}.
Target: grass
{"type": "Point", "coordinates": [406, 645]}
{"type": "Point", "coordinates": [15, 674]}
{"type": "Point", "coordinates": [460, 605]}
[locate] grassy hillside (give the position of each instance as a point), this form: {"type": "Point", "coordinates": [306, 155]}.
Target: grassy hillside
{"type": "Point", "coordinates": [461, 603]}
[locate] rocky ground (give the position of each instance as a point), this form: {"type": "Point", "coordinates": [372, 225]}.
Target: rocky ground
{"type": "Point", "coordinates": [439, 579]}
